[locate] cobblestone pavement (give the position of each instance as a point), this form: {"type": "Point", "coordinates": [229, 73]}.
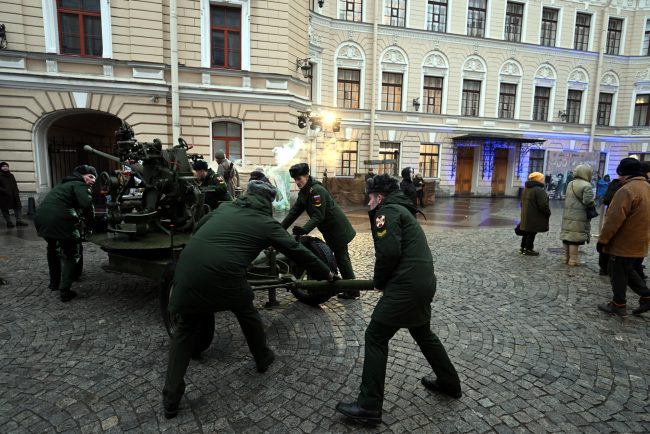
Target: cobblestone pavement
{"type": "Point", "coordinates": [533, 353]}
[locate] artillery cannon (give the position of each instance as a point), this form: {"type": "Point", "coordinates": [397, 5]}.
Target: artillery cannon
{"type": "Point", "coordinates": [148, 229]}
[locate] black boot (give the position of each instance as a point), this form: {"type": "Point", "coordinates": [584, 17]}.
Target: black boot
{"type": "Point", "coordinates": [264, 364]}
{"type": "Point", "coordinates": [349, 295]}
{"type": "Point", "coordinates": [358, 413]}
{"type": "Point", "coordinates": [615, 308]}
{"type": "Point", "coordinates": [67, 295]}
{"type": "Point", "coordinates": [434, 386]}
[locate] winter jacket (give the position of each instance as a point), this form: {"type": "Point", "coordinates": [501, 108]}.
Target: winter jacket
{"type": "Point", "coordinates": [403, 264]}
{"type": "Point", "coordinates": [9, 196]}
{"type": "Point", "coordinates": [626, 231]}
{"type": "Point", "coordinates": [215, 189]}
{"type": "Point", "coordinates": [324, 214]}
{"type": "Point", "coordinates": [59, 215]}
{"type": "Point", "coordinates": [211, 271]}
{"type": "Point", "coordinates": [612, 188]}
{"type": "Point", "coordinates": [579, 194]}
{"type": "Point", "coordinates": [601, 188]}
{"type": "Point", "coordinates": [535, 211]}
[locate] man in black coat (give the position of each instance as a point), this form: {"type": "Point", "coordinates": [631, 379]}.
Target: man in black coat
{"type": "Point", "coordinates": [407, 187]}
{"type": "Point", "coordinates": [9, 196]}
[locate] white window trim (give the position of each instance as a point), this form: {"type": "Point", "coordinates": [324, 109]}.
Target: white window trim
{"type": "Point", "coordinates": [517, 97]}
{"type": "Point", "coordinates": [406, 18]}
{"type": "Point", "coordinates": [630, 121]}
{"type": "Point", "coordinates": [362, 76]}
{"type": "Point", "coordinates": [621, 49]}
{"type": "Point", "coordinates": [645, 23]}
{"type": "Point", "coordinates": [404, 70]}
{"type": "Point", "coordinates": [340, 5]}
{"type": "Point", "coordinates": [445, 80]}
{"type": "Point", "coordinates": [590, 42]}
{"type": "Point", "coordinates": [553, 87]}
{"type": "Point", "coordinates": [245, 39]}
{"type": "Point", "coordinates": [558, 30]}
{"type": "Point", "coordinates": [483, 79]}
{"type": "Point", "coordinates": [340, 153]}
{"type": "Point", "coordinates": [51, 28]}
{"type": "Point", "coordinates": [523, 18]}
{"type": "Point", "coordinates": [488, 15]}
{"type": "Point", "coordinates": [235, 121]}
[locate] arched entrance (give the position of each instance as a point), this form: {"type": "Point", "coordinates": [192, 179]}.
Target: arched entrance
{"type": "Point", "coordinates": [60, 139]}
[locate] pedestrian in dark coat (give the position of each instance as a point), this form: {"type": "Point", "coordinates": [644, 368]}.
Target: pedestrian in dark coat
{"type": "Point", "coordinates": [535, 212]}
{"type": "Point", "coordinates": [407, 187]}
{"type": "Point", "coordinates": [404, 273]}
{"type": "Point", "coordinates": [324, 214]}
{"type": "Point", "coordinates": [213, 186]}
{"type": "Point", "coordinates": [211, 276]}
{"type": "Point", "coordinates": [60, 219]}
{"type": "Point", "coordinates": [625, 237]}
{"type": "Point", "coordinates": [418, 183]}
{"type": "Point", "coordinates": [10, 196]}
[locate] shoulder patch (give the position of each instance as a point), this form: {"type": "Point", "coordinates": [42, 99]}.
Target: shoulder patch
{"type": "Point", "coordinates": [380, 221]}
{"type": "Point", "coordinates": [316, 200]}
{"type": "Point", "coordinates": [220, 179]}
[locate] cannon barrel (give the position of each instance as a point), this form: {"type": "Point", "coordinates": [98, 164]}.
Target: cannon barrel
{"type": "Point", "coordinates": [335, 287]}
{"type": "Point", "coordinates": [137, 168]}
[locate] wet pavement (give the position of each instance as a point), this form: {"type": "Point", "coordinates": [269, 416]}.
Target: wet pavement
{"type": "Point", "coordinates": [532, 351]}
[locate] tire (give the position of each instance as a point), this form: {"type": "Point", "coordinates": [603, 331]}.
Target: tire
{"type": "Point", "coordinates": [324, 253]}
{"type": "Point", "coordinates": [206, 320]}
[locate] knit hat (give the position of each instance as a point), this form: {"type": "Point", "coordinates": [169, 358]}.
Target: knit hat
{"type": "Point", "coordinates": [3, 163]}
{"type": "Point", "coordinates": [383, 183]}
{"type": "Point", "coordinates": [85, 170]}
{"type": "Point", "coordinates": [258, 175]}
{"type": "Point", "coordinates": [300, 169]}
{"type": "Point", "coordinates": [263, 189]}
{"type": "Point", "coordinates": [201, 165]}
{"type": "Point", "coordinates": [537, 177]}
{"type": "Point", "coordinates": [629, 167]}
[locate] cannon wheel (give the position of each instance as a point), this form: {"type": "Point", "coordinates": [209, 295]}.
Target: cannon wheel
{"type": "Point", "coordinates": [206, 330]}
{"type": "Point", "coordinates": [324, 253]}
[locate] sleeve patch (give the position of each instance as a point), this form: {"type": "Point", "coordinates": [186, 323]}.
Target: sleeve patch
{"type": "Point", "coordinates": [380, 221]}
{"type": "Point", "coordinates": [316, 200]}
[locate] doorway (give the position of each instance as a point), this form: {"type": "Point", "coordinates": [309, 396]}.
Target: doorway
{"type": "Point", "coordinates": [464, 169]}
{"type": "Point", "coordinates": [499, 171]}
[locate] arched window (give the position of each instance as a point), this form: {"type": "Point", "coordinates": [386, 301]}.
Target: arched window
{"type": "Point", "coordinates": [227, 137]}
{"type": "Point", "coordinates": [394, 74]}
{"type": "Point", "coordinates": [474, 72]}
{"type": "Point", "coordinates": [607, 99]}
{"type": "Point", "coordinates": [435, 70]}
{"type": "Point", "coordinates": [350, 62]}
{"type": "Point", "coordinates": [509, 90]}
{"type": "Point", "coordinates": [576, 95]}
{"type": "Point", "coordinates": [543, 99]}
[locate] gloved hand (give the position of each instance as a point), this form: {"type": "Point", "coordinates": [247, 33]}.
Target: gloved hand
{"type": "Point", "coordinates": [600, 247]}
{"type": "Point", "coordinates": [298, 230]}
{"type": "Point", "coordinates": [333, 277]}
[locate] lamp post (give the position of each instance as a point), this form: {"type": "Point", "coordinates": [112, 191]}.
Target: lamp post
{"type": "Point", "coordinates": [416, 104]}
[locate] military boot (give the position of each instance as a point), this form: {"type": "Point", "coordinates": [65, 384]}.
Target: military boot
{"type": "Point", "coordinates": [67, 295]}
{"type": "Point", "coordinates": [644, 306]}
{"type": "Point", "coordinates": [613, 308]}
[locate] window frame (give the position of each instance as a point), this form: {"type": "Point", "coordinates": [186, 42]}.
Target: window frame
{"type": "Point", "coordinates": [466, 93]}
{"type": "Point", "coordinates": [426, 97]}
{"type": "Point", "coordinates": [344, 12]}
{"type": "Point", "coordinates": [581, 38]}
{"type": "Point", "coordinates": [342, 151]}
{"type": "Point", "coordinates": [51, 29]}
{"type": "Point", "coordinates": [472, 9]}
{"type": "Point", "coordinates": [385, 93]}
{"type": "Point", "coordinates": [536, 99]}
{"type": "Point", "coordinates": [546, 35]}
{"type": "Point", "coordinates": [245, 33]}
{"type": "Point", "coordinates": [81, 15]}
{"type": "Point", "coordinates": [534, 156]}
{"type": "Point", "coordinates": [502, 113]}
{"type": "Point", "coordinates": [613, 46]}
{"type": "Point", "coordinates": [226, 32]}
{"type": "Point", "coordinates": [509, 16]}
{"type": "Point", "coordinates": [227, 139]}
{"type": "Point", "coordinates": [604, 113]}
{"type": "Point", "coordinates": [384, 152]}
{"type": "Point", "coordinates": [645, 43]}
{"type": "Point", "coordinates": [573, 116]}
{"type": "Point", "coordinates": [430, 160]}
{"type": "Point", "coordinates": [351, 82]}
{"type": "Point", "coordinates": [430, 15]}
{"type": "Point", "coordinates": [636, 116]}
{"type": "Point", "coordinates": [395, 5]}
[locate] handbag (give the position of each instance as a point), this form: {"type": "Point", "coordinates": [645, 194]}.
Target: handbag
{"type": "Point", "coordinates": [518, 230]}
{"type": "Point", "coordinates": [590, 210]}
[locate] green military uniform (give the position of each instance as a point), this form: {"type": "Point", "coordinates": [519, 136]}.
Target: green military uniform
{"type": "Point", "coordinates": [328, 217]}
{"type": "Point", "coordinates": [404, 272]}
{"type": "Point", "coordinates": [211, 276]}
{"type": "Point", "coordinates": [58, 219]}
{"type": "Point", "coordinates": [215, 189]}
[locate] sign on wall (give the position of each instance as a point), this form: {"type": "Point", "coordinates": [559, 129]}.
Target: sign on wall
{"type": "Point", "coordinates": [559, 169]}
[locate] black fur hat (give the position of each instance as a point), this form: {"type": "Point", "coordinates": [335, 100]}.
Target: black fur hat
{"type": "Point", "coordinates": [383, 183]}
{"type": "Point", "coordinates": [201, 165]}
{"type": "Point", "coordinates": [261, 188]}
{"type": "Point", "coordinates": [300, 169]}
{"type": "Point", "coordinates": [629, 167]}
{"type": "Point", "coordinates": [84, 170]}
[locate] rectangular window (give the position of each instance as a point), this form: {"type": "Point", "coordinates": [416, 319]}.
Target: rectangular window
{"type": "Point", "coordinates": [391, 91]}
{"type": "Point", "coordinates": [614, 31]}
{"type": "Point", "coordinates": [225, 36]}
{"type": "Point", "coordinates": [80, 27]}
{"type": "Point", "coordinates": [226, 137]}
{"type": "Point", "coordinates": [351, 10]}
{"type": "Point", "coordinates": [507, 98]}
{"type": "Point", "coordinates": [601, 163]}
{"type": "Point", "coordinates": [476, 12]}
{"type": "Point", "coordinates": [549, 27]}
{"type": "Point", "coordinates": [432, 95]}
{"type": "Point", "coordinates": [471, 97]}
{"type": "Point", "coordinates": [581, 35]}
{"type": "Point", "coordinates": [429, 155]}
{"type": "Point", "coordinates": [395, 13]}
{"type": "Point", "coordinates": [349, 83]}
{"type": "Point", "coordinates": [514, 21]}
{"type": "Point", "coordinates": [573, 103]}
{"type": "Point", "coordinates": [437, 15]}
{"type": "Point", "coordinates": [646, 39]}
{"type": "Point", "coordinates": [641, 112]}
{"type": "Point", "coordinates": [347, 164]}
{"type": "Point", "coordinates": [604, 108]}
{"type": "Point", "coordinates": [541, 103]}
{"type": "Point", "coordinates": [389, 151]}
{"type": "Point", "coordinates": [536, 161]}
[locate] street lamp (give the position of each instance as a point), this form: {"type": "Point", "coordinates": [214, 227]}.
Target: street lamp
{"type": "Point", "coordinates": [563, 114]}
{"type": "Point", "coordinates": [416, 104]}
{"type": "Point", "coordinates": [305, 67]}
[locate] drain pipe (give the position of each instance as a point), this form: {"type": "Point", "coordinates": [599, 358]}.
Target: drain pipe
{"type": "Point", "coordinates": [173, 30]}
{"type": "Point", "coordinates": [599, 71]}
{"type": "Point", "coordinates": [373, 97]}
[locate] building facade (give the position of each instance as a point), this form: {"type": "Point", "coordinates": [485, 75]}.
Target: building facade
{"type": "Point", "coordinates": [473, 94]}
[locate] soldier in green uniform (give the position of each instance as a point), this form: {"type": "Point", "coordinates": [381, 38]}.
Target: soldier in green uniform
{"type": "Point", "coordinates": [211, 276]}
{"type": "Point", "coordinates": [404, 272]}
{"type": "Point", "coordinates": [324, 214]}
{"type": "Point", "coordinates": [59, 220]}
{"type": "Point", "coordinates": [213, 185]}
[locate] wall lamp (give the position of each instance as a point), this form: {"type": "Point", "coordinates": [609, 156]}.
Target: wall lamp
{"type": "Point", "coordinates": [305, 67]}
{"type": "Point", "coordinates": [563, 115]}
{"type": "Point", "coordinates": [321, 3]}
{"type": "Point", "coordinates": [3, 37]}
{"type": "Point", "coordinates": [416, 104]}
